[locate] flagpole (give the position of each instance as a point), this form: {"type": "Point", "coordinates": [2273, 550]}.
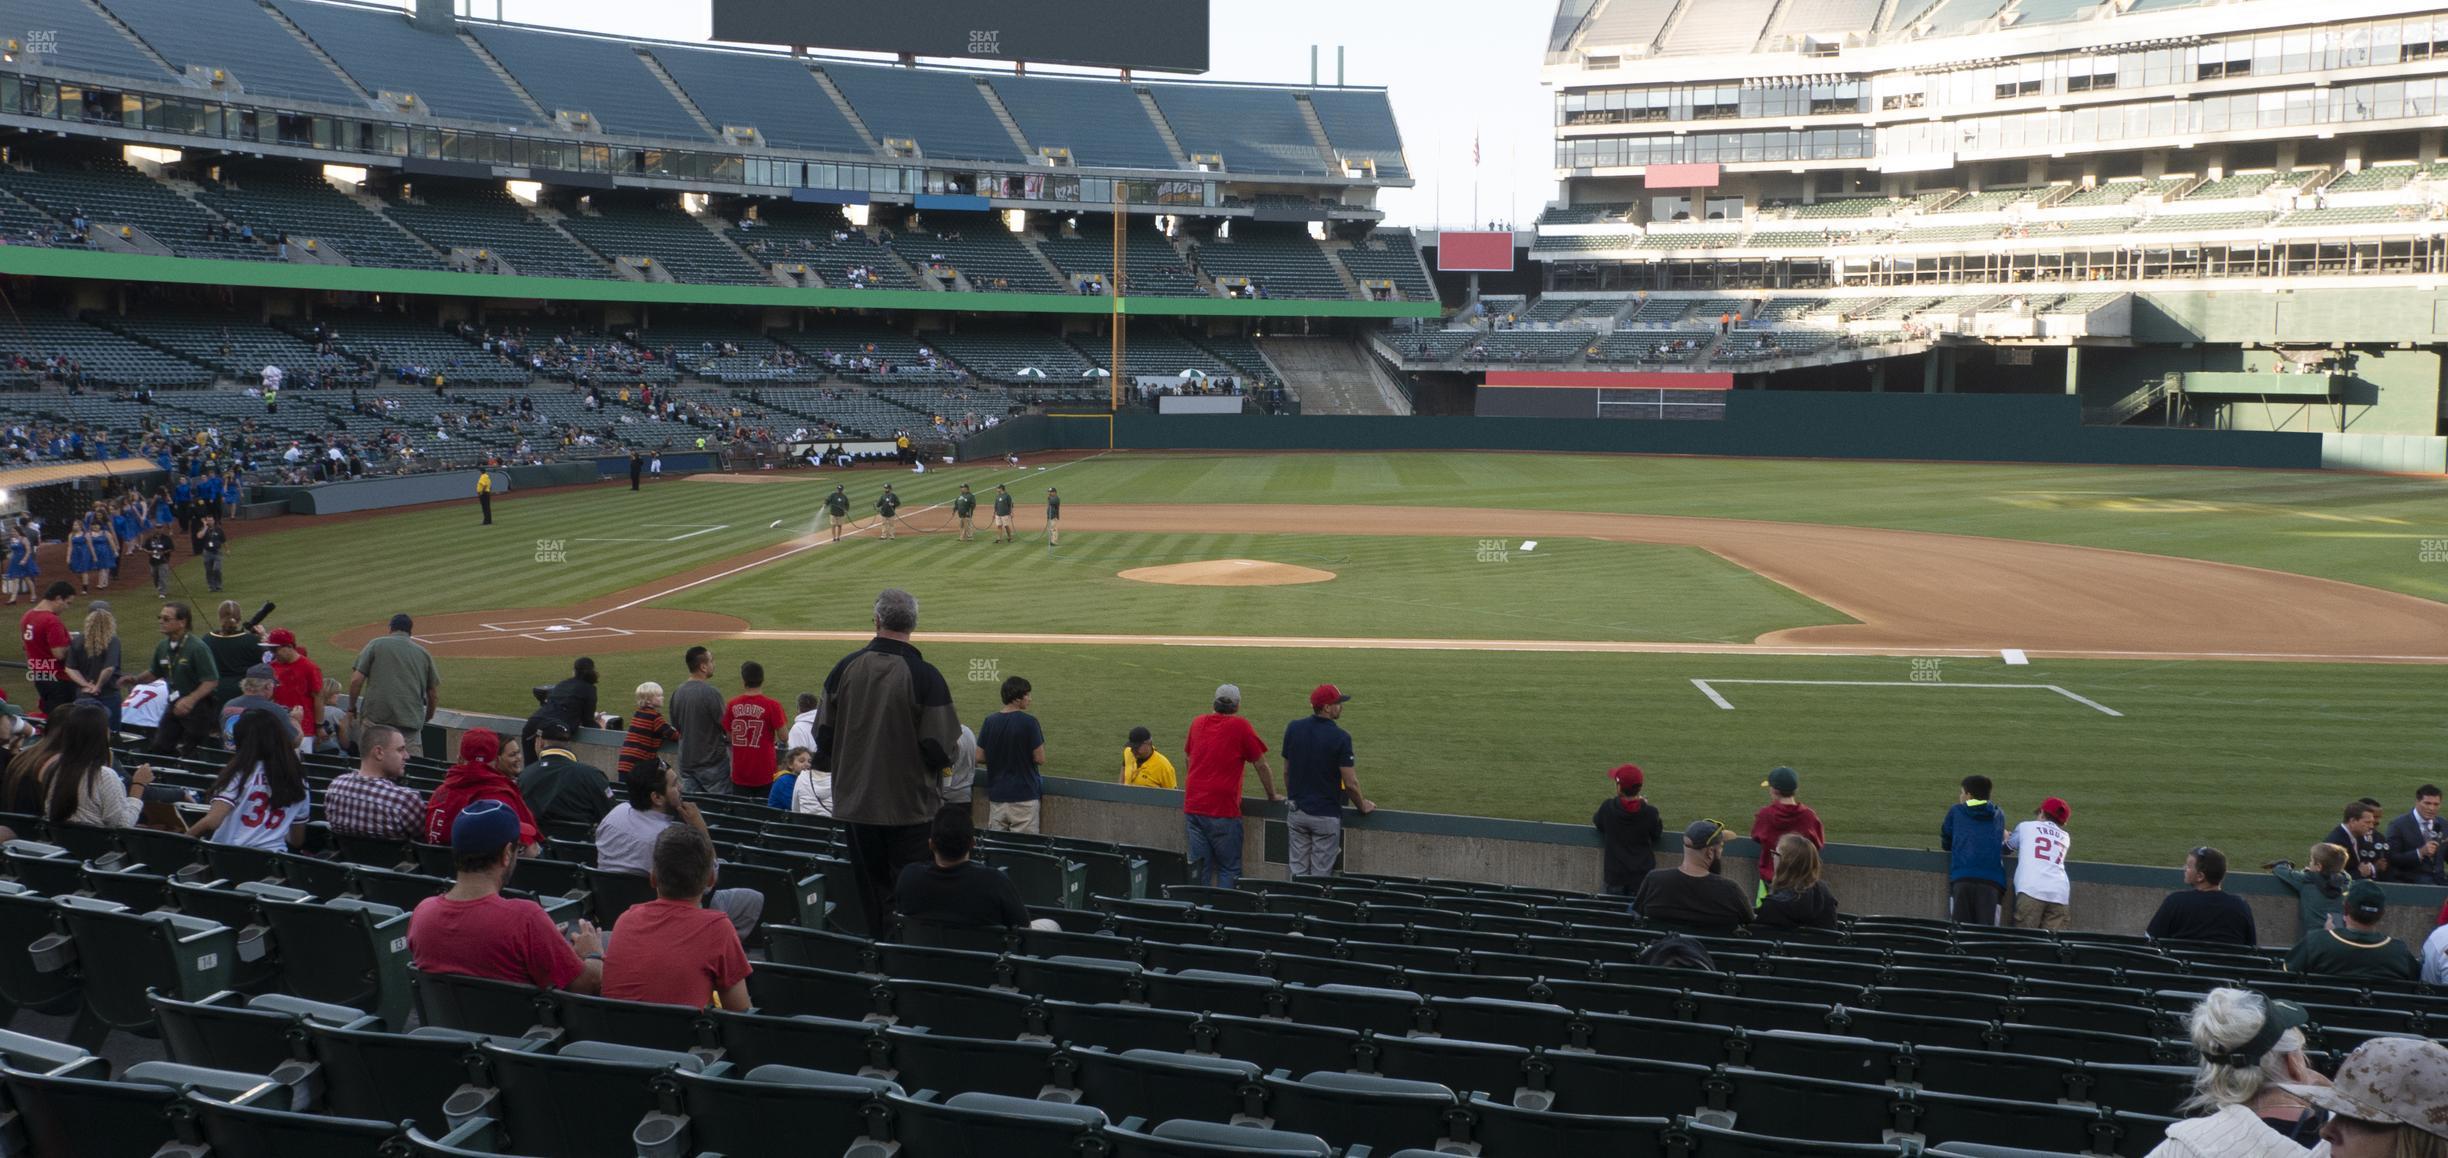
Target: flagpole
{"type": "Point", "coordinates": [1475, 218]}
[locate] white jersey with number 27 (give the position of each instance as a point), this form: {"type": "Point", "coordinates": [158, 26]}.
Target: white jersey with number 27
{"type": "Point", "coordinates": [2040, 855]}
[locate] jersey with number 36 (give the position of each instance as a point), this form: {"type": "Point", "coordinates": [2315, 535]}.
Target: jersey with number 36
{"type": "Point", "coordinates": [253, 822]}
{"type": "Point", "coordinates": [2040, 856]}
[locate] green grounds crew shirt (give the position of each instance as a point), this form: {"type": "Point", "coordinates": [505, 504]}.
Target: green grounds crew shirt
{"type": "Point", "coordinates": [1053, 506]}
{"type": "Point", "coordinates": [887, 503]}
{"type": "Point", "coordinates": [964, 504]}
{"type": "Point", "coordinates": [2344, 952]}
{"type": "Point", "coordinates": [185, 664]}
{"type": "Point", "coordinates": [233, 654]}
{"type": "Point", "coordinates": [1002, 502]}
{"type": "Point", "coordinates": [397, 672]}
{"type": "Point", "coordinates": [837, 503]}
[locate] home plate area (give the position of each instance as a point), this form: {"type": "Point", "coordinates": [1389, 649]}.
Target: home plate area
{"type": "Point", "coordinates": [540, 630]}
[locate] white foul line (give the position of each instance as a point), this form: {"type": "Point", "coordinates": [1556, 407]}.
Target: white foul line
{"type": "Point", "coordinates": [1721, 701]}
{"type": "Point", "coordinates": [756, 563]}
{"type": "Point", "coordinates": [702, 529]}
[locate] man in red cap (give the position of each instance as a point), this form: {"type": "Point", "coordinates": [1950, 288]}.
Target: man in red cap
{"type": "Point", "coordinates": [297, 682]}
{"type": "Point", "coordinates": [1317, 777]}
{"type": "Point", "coordinates": [2042, 890]}
{"type": "Point", "coordinates": [482, 773]}
{"type": "Point", "coordinates": [1628, 831]}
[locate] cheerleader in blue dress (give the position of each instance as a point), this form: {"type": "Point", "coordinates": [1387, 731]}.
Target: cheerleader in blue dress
{"type": "Point", "coordinates": [81, 554]}
{"type": "Point", "coordinates": [19, 576]}
{"type": "Point", "coordinates": [162, 515]}
{"type": "Point", "coordinates": [105, 552]}
{"type": "Point", "coordinates": [126, 527]}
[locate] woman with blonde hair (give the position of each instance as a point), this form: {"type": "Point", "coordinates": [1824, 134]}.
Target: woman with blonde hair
{"type": "Point", "coordinates": [2319, 887]}
{"type": "Point", "coordinates": [93, 660]}
{"type": "Point", "coordinates": [1797, 898]}
{"type": "Point", "coordinates": [2250, 1052]}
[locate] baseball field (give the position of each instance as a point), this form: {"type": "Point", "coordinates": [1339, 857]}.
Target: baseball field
{"type": "Point", "coordinates": [2210, 655]}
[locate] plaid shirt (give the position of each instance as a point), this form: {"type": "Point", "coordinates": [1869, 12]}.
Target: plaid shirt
{"type": "Point", "coordinates": [362, 805]}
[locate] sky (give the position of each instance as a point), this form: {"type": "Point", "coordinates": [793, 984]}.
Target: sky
{"type": "Point", "coordinates": [1454, 69]}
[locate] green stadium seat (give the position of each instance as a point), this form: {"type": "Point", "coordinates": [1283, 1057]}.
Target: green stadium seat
{"type": "Point", "coordinates": [972, 1124]}
{"type": "Point", "coordinates": [395, 1077]}
{"type": "Point", "coordinates": [138, 888]}
{"type": "Point", "coordinates": [477, 1004]}
{"type": "Point", "coordinates": [138, 1114]}
{"type": "Point", "coordinates": [1121, 1027]}
{"type": "Point", "coordinates": [1048, 943]}
{"type": "Point", "coordinates": [840, 952]}
{"type": "Point", "coordinates": [971, 1010]}
{"type": "Point", "coordinates": [1942, 1117]}
{"type": "Point", "coordinates": [790, 990]}
{"type": "Point", "coordinates": [1593, 1083]}
{"type": "Point", "coordinates": [1788, 1106]}
{"type": "Point", "coordinates": [472, 1139]}
{"type": "Point", "coordinates": [44, 868]}
{"type": "Point", "coordinates": [777, 1109]}
{"type": "Point", "coordinates": [614, 893]}
{"type": "Point", "coordinates": [358, 952]}
{"type": "Point", "coordinates": [322, 878]}
{"type": "Point", "coordinates": [944, 1061]}
{"type": "Point", "coordinates": [1363, 1109]}
{"type": "Point", "coordinates": [1501, 1129]}
{"type": "Point", "coordinates": [243, 1131]}
{"type": "Point", "coordinates": [370, 851]}
{"type": "Point", "coordinates": [1211, 991]}
{"type": "Point", "coordinates": [673, 1028]}
{"type": "Point", "coordinates": [582, 1102]}
{"type": "Point", "coordinates": [1189, 1138]}
{"type": "Point", "coordinates": [1381, 1010]}
{"type": "Point", "coordinates": [1281, 1045]}
{"type": "Point", "coordinates": [228, 1031]}
{"type": "Point", "coordinates": [1310, 964]}
{"type": "Point", "coordinates": [1500, 1071]}
{"type": "Point", "coordinates": [1523, 1023]}
{"type": "Point", "coordinates": [240, 908]}
{"type": "Point", "coordinates": [126, 956]}
{"type": "Point", "coordinates": [38, 967]}
{"type": "Point", "coordinates": [1151, 1084]}
{"type": "Point", "coordinates": [2137, 1089]}
{"type": "Point", "coordinates": [397, 889]}
{"type": "Point", "coordinates": [1822, 1055]}
{"type": "Point", "coordinates": [1702, 1140]}
{"type": "Point", "coordinates": [948, 966]}
{"type": "Point", "coordinates": [2008, 1075]}
{"type": "Point", "coordinates": [1044, 878]}
{"type": "Point", "coordinates": [750, 1040]}
{"type": "Point", "coordinates": [1087, 980]}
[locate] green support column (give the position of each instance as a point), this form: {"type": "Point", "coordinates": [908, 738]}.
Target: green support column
{"type": "Point", "coordinates": [1878, 377]}
{"type": "Point", "coordinates": [1929, 370]}
{"type": "Point", "coordinates": [1946, 370]}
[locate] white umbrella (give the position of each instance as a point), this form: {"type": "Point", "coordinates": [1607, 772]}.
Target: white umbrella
{"type": "Point", "coordinates": [1188, 374]}
{"type": "Point", "coordinates": [1029, 372]}
{"type": "Point", "coordinates": [1097, 372]}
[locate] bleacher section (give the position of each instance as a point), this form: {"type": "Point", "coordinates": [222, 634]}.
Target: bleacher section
{"type": "Point", "coordinates": [234, 349]}
{"type": "Point", "coordinates": [486, 218]}
{"type": "Point", "coordinates": [982, 249]}
{"type": "Point", "coordinates": [387, 53]}
{"type": "Point", "coordinates": [2232, 186]}
{"type": "Point", "coordinates": [239, 37]}
{"type": "Point", "coordinates": [1100, 121]}
{"type": "Point", "coordinates": [943, 112]}
{"type": "Point", "coordinates": [1154, 267]}
{"type": "Point", "coordinates": [1392, 254]}
{"type": "Point", "coordinates": [1531, 346]}
{"type": "Point", "coordinates": [1650, 346]}
{"type": "Point", "coordinates": [1255, 130]}
{"type": "Point", "coordinates": [823, 239]}
{"type": "Point", "coordinates": [299, 202]}
{"type": "Point", "coordinates": [1361, 126]}
{"type": "Point", "coordinates": [1009, 356]}
{"type": "Point", "coordinates": [1353, 1011]}
{"type": "Point", "coordinates": [86, 41]}
{"type": "Point", "coordinates": [111, 193]}
{"type": "Point", "coordinates": [396, 344]}
{"type": "Point", "coordinates": [777, 96]}
{"type": "Point", "coordinates": [106, 358]}
{"type": "Point", "coordinates": [581, 74]}
{"type": "Point", "coordinates": [873, 354]}
{"type": "Point", "coordinates": [1284, 262]}
{"type": "Point", "coordinates": [666, 236]}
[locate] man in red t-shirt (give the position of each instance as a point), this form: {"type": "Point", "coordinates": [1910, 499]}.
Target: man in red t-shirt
{"type": "Point", "coordinates": [46, 644]}
{"type": "Point", "coordinates": [475, 931]}
{"type": "Point", "coordinates": [1220, 743]}
{"type": "Point", "coordinates": [297, 682]}
{"type": "Point", "coordinates": [673, 950]}
{"type": "Point", "coordinates": [753, 720]}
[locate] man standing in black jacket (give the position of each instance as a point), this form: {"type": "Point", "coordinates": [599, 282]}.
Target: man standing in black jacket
{"type": "Point", "coordinates": [1628, 830]}
{"type": "Point", "coordinates": [2414, 841]}
{"type": "Point", "coordinates": [570, 703]}
{"type": "Point", "coordinates": [2204, 911]}
{"type": "Point", "coordinates": [886, 733]}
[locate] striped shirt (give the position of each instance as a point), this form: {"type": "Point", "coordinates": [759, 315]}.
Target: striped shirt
{"type": "Point", "coordinates": [648, 732]}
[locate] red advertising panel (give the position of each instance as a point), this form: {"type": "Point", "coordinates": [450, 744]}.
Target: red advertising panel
{"type": "Point", "coordinates": [1681, 176]}
{"type": "Point", "coordinates": [1607, 380]}
{"type": "Point", "coordinates": [1475, 251]}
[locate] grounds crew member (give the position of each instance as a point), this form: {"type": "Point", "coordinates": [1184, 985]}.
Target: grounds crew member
{"type": "Point", "coordinates": [1003, 509]}
{"type": "Point", "coordinates": [484, 494]}
{"type": "Point", "coordinates": [1053, 517]}
{"type": "Point", "coordinates": [887, 504]}
{"type": "Point", "coordinates": [837, 510]}
{"type": "Point", "coordinates": [964, 505]}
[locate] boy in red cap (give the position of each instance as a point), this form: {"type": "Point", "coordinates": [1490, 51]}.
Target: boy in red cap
{"type": "Point", "coordinates": [297, 682]}
{"type": "Point", "coordinates": [2042, 889]}
{"type": "Point", "coordinates": [1628, 830]}
{"type": "Point", "coordinates": [482, 773]}
{"type": "Point", "coordinates": [1783, 813]}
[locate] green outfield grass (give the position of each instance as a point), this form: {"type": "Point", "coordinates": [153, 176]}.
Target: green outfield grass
{"type": "Point", "coordinates": [2254, 757]}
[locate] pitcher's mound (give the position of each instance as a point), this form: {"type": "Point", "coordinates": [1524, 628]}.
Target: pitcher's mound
{"type": "Point", "coordinates": [1228, 573]}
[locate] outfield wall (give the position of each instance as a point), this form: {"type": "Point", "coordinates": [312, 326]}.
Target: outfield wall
{"type": "Point", "coordinates": [1866, 879]}
{"type": "Point", "coordinates": [1762, 423]}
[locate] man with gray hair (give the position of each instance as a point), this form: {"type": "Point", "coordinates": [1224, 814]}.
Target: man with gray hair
{"type": "Point", "coordinates": [1219, 744]}
{"type": "Point", "coordinates": [888, 734]}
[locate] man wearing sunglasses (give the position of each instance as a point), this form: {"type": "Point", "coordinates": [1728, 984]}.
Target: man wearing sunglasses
{"type": "Point", "coordinates": [1692, 895]}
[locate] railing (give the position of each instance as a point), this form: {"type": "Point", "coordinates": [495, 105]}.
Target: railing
{"type": "Point", "coordinates": [2121, 411]}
